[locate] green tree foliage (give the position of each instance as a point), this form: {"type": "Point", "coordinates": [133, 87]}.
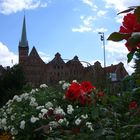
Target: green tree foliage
{"type": "Point", "coordinates": [137, 68]}
{"type": "Point", "coordinates": [11, 82]}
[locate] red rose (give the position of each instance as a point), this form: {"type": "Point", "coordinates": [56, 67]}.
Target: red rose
{"type": "Point", "coordinates": [133, 105]}
{"type": "Point", "coordinates": [87, 86]}
{"type": "Point", "coordinates": [78, 92]}
{"type": "Point", "coordinates": [73, 91]}
{"type": "Point", "coordinates": [129, 26]}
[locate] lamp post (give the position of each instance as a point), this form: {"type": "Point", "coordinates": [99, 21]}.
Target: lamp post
{"type": "Point", "coordinates": [103, 40]}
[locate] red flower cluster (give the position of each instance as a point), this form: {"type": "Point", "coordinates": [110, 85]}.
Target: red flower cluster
{"type": "Point", "coordinates": [133, 105]}
{"type": "Point", "coordinates": [80, 92]}
{"type": "Point", "coordinates": [129, 26]}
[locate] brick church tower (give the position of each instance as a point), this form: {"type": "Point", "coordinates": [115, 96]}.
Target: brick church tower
{"type": "Point", "coordinates": [23, 44]}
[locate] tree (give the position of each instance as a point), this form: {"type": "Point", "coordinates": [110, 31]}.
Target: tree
{"type": "Point", "coordinates": [11, 83]}
{"type": "Point", "coordinates": [137, 68]}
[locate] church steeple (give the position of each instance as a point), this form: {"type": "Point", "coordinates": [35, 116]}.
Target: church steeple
{"type": "Point", "coordinates": [23, 42]}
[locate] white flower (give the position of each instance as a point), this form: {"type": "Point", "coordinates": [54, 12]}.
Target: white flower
{"type": "Point", "coordinates": [44, 111]}
{"type": "Point", "coordinates": [59, 110]}
{"type": "Point", "coordinates": [43, 86]}
{"type": "Point", "coordinates": [33, 102]}
{"type": "Point", "coordinates": [15, 97]}
{"type": "Point", "coordinates": [5, 128]}
{"type": "Point", "coordinates": [9, 110]}
{"type": "Point", "coordinates": [22, 124]}
{"type": "Point", "coordinates": [39, 107]}
{"type": "Point", "coordinates": [14, 131]}
{"type": "Point", "coordinates": [12, 117]}
{"type": "Point", "coordinates": [33, 91]}
{"type": "Point", "coordinates": [74, 81]}
{"type": "Point", "coordinates": [9, 102]}
{"type": "Point", "coordinates": [19, 99]}
{"type": "Point", "coordinates": [89, 125]}
{"type": "Point", "coordinates": [78, 121]}
{"type": "Point", "coordinates": [37, 89]}
{"type": "Point", "coordinates": [70, 109]}
{"type": "Point", "coordinates": [48, 105]}
{"type": "Point", "coordinates": [34, 119]}
{"type": "Point", "coordinates": [65, 86]}
{"type": "Point", "coordinates": [25, 96]}
{"type": "Point", "coordinates": [61, 121]}
{"type": "Point", "coordinates": [61, 82]}
{"type": "Point", "coordinates": [84, 116]}
{"type": "Point", "coordinates": [53, 124]}
{"type": "Point", "coordinates": [5, 115]}
{"type": "Point", "coordinates": [4, 121]}
{"type": "Point", "coordinates": [40, 115]}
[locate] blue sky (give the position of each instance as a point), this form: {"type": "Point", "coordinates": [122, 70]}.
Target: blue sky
{"type": "Point", "coordinates": [69, 27]}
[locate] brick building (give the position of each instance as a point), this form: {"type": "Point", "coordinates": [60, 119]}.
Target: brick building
{"type": "Point", "coordinates": [38, 72]}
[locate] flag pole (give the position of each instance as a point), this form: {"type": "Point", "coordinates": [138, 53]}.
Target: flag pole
{"type": "Point", "coordinates": [103, 40]}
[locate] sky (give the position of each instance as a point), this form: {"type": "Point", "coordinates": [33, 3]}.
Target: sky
{"type": "Point", "coordinates": [69, 27]}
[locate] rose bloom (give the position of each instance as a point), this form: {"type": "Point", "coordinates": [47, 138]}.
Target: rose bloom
{"type": "Point", "coordinates": [129, 26]}
{"type": "Point", "coordinates": [86, 86]}
{"type": "Point", "coordinates": [73, 91]}
{"type": "Point", "coordinates": [133, 105]}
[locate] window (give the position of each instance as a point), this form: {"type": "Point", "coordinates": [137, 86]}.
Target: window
{"type": "Point", "coordinates": [113, 76]}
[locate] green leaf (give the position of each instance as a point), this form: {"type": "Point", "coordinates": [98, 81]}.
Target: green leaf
{"type": "Point", "coordinates": [130, 56]}
{"type": "Point", "coordinates": [137, 13]}
{"type": "Point", "coordinates": [126, 11]}
{"type": "Point", "coordinates": [116, 36]}
{"type": "Point", "coordinates": [134, 40]}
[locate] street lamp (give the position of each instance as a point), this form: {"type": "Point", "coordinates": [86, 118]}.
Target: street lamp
{"type": "Point", "coordinates": [103, 40]}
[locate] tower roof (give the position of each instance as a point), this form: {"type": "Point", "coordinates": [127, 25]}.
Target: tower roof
{"type": "Point", "coordinates": [23, 42]}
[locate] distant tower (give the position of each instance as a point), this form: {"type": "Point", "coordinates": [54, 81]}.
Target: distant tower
{"type": "Point", "coordinates": [23, 44]}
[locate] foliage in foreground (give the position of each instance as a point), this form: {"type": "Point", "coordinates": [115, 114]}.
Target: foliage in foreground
{"type": "Point", "coordinates": [52, 113]}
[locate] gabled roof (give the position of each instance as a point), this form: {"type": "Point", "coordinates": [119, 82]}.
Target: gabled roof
{"type": "Point", "coordinates": [75, 60]}
{"type": "Point", "coordinates": [34, 52]}
{"type": "Point", "coordinates": [57, 59]}
{"type": "Point", "coordinates": [34, 55]}
{"type": "Point", "coordinates": [113, 68]}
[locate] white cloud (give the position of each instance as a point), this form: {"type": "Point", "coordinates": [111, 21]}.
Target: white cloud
{"type": "Point", "coordinates": [13, 6]}
{"type": "Point", "coordinates": [46, 58]}
{"type": "Point", "coordinates": [116, 47]}
{"type": "Point", "coordinates": [121, 5]}
{"type": "Point", "coordinates": [100, 30]}
{"type": "Point", "coordinates": [82, 29]}
{"type": "Point", "coordinates": [7, 58]}
{"type": "Point", "coordinates": [86, 26]}
{"type": "Point", "coordinates": [90, 4]}
{"type": "Point", "coordinates": [101, 13]}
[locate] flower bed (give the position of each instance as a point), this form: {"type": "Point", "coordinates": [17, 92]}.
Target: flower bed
{"type": "Point", "coordinates": [71, 111]}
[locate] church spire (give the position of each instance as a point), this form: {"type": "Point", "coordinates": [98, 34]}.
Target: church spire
{"type": "Point", "coordinates": [23, 42]}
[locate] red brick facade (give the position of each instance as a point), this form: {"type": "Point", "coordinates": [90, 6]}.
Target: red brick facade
{"type": "Point", "coordinates": [37, 72]}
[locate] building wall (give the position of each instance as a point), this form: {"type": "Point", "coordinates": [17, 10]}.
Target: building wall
{"type": "Point", "coordinates": [37, 72]}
